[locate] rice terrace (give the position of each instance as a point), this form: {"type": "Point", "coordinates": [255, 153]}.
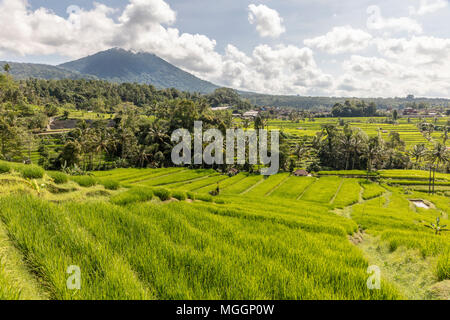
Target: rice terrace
{"type": "Point", "coordinates": [310, 173]}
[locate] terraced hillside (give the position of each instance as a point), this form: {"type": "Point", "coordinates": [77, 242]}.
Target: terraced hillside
{"type": "Point", "coordinates": [159, 234]}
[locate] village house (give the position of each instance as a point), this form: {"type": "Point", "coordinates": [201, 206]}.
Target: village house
{"type": "Point", "coordinates": [251, 114]}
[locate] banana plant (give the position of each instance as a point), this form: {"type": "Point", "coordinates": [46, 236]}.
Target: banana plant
{"type": "Point", "coordinates": [437, 227]}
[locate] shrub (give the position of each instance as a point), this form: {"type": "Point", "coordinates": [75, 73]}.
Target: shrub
{"type": "Point", "coordinates": [84, 181]}
{"type": "Point", "coordinates": [180, 195]}
{"type": "Point", "coordinates": [4, 168]}
{"type": "Point", "coordinates": [110, 184]}
{"type": "Point", "coordinates": [162, 194]}
{"type": "Point", "coordinates": [32, 172]}
{"type": "Point", "coordinates": [58, 177]}
{"type": "Point", "coordinates": [136, 194]}
{"type": "Point", "coordinates": [191, 195]}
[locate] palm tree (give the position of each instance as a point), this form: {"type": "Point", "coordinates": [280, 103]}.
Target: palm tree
{"type": "Point", "coordinates": [418, 152]}
{"type": "Point", "coordinates": [373, 152]}
{"type": "Point", "coordinates": [300, 151]}
{"type": "Point", "coordinates": [346, 143]}
{"type": "Point", "coordinates": [437, 156]}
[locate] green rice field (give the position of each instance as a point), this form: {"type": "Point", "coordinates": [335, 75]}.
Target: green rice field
{"type": "Point", "coordinates": [159, 234]}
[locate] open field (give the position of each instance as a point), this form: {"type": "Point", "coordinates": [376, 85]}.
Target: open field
{"type": "Point", "coordinates": [408, 131]}
{"type": "Point", "coordinates": [157, 234]}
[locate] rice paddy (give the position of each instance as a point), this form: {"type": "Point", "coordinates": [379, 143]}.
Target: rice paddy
{"type": "Point", "coordinates": [158, 234]}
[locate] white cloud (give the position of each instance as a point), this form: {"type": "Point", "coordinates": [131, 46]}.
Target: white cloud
{"type": "Point", "coordinates": [420, 65]}
{"type": "Point", "coordinates": [377, 22]}
{"type": "Point", "coordinates": [278, 70]}
{"type": "Point", "coordinates": [341, 40]}
{"type": "Point", "coordinates": [268, 22]}
{"type": "Point", "coordinates": [139, 27]}
{"type": "Point", "coordinates": [407, 64]}
{"type": "Point", "coordinates": [428, 6]}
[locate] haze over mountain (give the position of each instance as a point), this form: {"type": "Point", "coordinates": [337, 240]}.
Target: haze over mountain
{"type": "Point", "coordinates": [117, 65]}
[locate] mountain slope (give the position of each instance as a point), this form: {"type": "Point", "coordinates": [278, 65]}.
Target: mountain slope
{"type": "Point", "coordinates": [118, 65]}
{"type": "Point", "coordinates": [21, 71]}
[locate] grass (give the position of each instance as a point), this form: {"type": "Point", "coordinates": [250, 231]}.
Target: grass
{"type": "Point", "coordinates": [58, 177]}
{"type": "Point", "coordinates": [109, 184]}
{"type": "Point", "coordinates": [133, 195]}
{"type": "Point", "coordinates": [262, 238]}
{"type": "Point", "coordinates": [84, 181]}
{"type": "Point", "coordinates": [371, 190]}
{"type": "Point", "coordinates": [32, 172]}
{"type": "Point", "coordinates": [4, 167]}
{"type": "Point", "coordinates": [323, 190]}
{"type": "Point", "coordinates": [348, 193]}
{"type": "Point", "coordinates": [293, 187]}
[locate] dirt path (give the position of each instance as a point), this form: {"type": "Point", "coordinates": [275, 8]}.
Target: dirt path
{"type": "Point", "coordinates": [405, 269]}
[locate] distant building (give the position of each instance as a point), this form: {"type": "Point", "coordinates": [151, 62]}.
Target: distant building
{"type": "Point", "coordinates": [409, 111]}
{"type": "Point", "coordinates": [301, 173]}
{"type": "Point", "coordinates": [251, 114]}
{"type": "Point", "coordinates": [220, 108]}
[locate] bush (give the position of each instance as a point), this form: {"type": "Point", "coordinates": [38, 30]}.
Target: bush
{"type": "Point", "coordinates": [110, 184]}
{"type": "Point", "coordinates": [32, 172]}
{"type": "Point", "coordinates": [58, 177]}
{"type": "Point", "coordinates": [4, 168]}
{"type": "Point", "coordinates": [162, 194]}
{"type": "Point", "coordinates": [180, 195]}
{"type": "Point", "coordinates": [84, 181]}
{"type": "Point", "coordinates": [191, 196]}
{"type": "Point", "coordinates": [136, 194]}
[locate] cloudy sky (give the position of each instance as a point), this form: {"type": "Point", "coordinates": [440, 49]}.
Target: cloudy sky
{"type": "Point", "coordinates": [376, 48]}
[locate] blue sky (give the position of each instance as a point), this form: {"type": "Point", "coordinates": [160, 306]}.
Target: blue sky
{"type": "Point", "coordinates": [308, 47]}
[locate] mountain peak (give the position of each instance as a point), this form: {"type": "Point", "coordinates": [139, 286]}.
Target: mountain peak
{"type": "Point", "coordinates": [120, 65]}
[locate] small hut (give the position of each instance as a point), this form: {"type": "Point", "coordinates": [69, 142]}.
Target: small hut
{"type": "Point", "coordinates": [301, 173]}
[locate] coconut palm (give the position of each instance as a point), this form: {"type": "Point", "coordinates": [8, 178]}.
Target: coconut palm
{"type": "Point", "coordinates": [437, 156]}
{"type": "Point", "coordinates": [418, 152]}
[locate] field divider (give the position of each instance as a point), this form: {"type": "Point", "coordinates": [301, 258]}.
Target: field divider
{"type": "Point", "coordinates": [253, 186]}
{"type": "Point", "coordinates": [210, 184]}
{"type": "Point", "coordinates": [276, 187]}
{"type": "Point", "coordinates": [306, 189]}
{"type": "Point", "coordinates": [161, 176]}
{"type": "Point", "coordinates": [337, 192]}
{"type": "Point", "coordinates": [185, 182]}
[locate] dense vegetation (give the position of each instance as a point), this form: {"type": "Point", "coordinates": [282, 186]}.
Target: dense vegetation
{"type": "Point", "coordinates": [303, 102]}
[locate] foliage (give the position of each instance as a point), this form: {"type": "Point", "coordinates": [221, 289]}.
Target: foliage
{"type": "Point", "coordinates": [58, 177]}
{"type": "Point", "coordinates": [162, 194]}
{"type": "Point", "coordinates": [4, 167]}
{"type": "Point", "coordinates": [84, 181]}
{"type": "Point", "coordinates": [31, 172]}
{"type": "Point", "coordinates": [133, 195]}
{"type": "Point", "coordinates": [109, 184]}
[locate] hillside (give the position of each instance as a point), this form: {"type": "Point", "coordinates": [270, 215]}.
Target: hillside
{"type": "Point", "coordinates": [328, 102]}
{"type": "Point", "coordinates": [118, 65]}
{"type": "Point", "coordinates": [22, 71]}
